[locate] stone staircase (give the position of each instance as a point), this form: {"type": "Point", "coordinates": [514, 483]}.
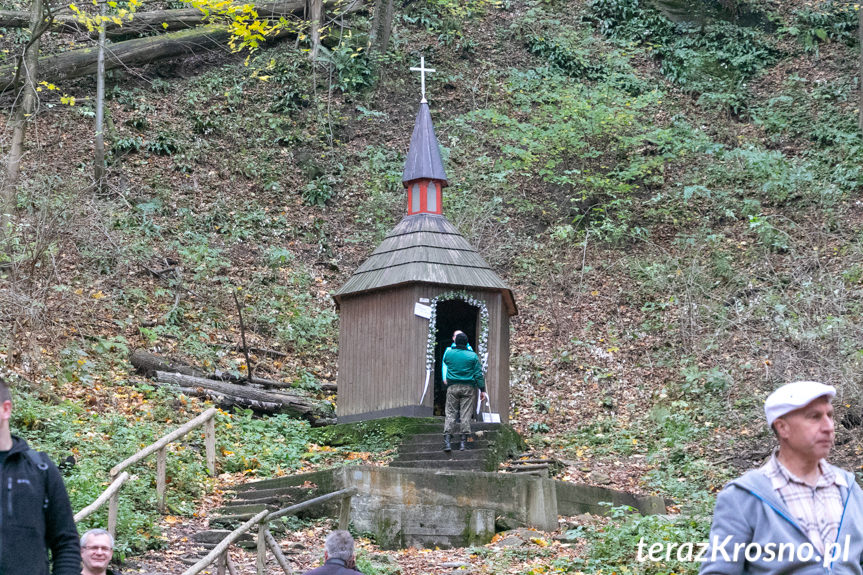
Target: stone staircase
{"type": "Point", "coordinates": [249, 500]}
{"type": "Point", "coordinates": [425, 450]}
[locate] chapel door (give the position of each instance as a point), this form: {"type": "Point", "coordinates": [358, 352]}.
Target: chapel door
{"type": "Point", "coordinates": [451, 315]}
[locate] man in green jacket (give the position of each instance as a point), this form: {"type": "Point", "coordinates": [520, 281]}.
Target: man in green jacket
{"type": "Point", "coordinates": [462, 372]}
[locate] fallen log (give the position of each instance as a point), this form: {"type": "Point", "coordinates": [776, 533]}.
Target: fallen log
{"type": "Point", "coordinates": [154, 21]}
{"type": "Point", "coordinates": [136, 52]}
{"type": "Point", "coordinates": [82, 62]}
{"type": "Point", "coordinates": [148, 364]}
{"type": "Point", "coordinates": [230, 395]}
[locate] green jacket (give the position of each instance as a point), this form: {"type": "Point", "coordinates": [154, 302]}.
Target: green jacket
{"type": "Point", "coordinates": [462, 366]}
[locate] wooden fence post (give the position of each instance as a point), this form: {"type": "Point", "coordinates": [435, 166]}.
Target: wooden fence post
{"type": "Point", "coordinates": [277, 551]}
{"type": "Point", "coordinates": [345, 513]}
{"type": "Point", "coordinates": [261, 562]}
{"type": "Point", "coordinates": [113, 510]}
{"type": "Point", "coordinates": [222, 564]}
{"type": "Point", "coordinates": [210, 442]}
{"type": "Point", "coordinates": [161, 464]}
{"type": "Point", "coordinates": [230, 563]}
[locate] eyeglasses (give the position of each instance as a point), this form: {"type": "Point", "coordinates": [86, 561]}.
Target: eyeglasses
{"type": "Point", "coordinates": [98, 548]}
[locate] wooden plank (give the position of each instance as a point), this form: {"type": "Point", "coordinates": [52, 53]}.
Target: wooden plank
{"type": "Point", "coordinates": [261, 559]}
{"type": "Point", "coordinates": [174, 435]}
{"type": "Point", "coordinates": [161, 465]}
{"type": "Point", "coordinates": [210, 441]}
{"type": "Point", "coordinates": [224, 544]}
{"type": "Point", "coordinates": [100, 501]}
{"type": "Point", "coordinates": [277, 552]}
{"type": "Point", "coordinates": [113, 512]}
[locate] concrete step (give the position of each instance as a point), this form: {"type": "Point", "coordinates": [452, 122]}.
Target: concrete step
{"type": "Point", "coordinates": [433, 446]}
{"type": "Point", "coordinates": [298, 493]}
{"type": "Point", "coordinates": [436, 464]}
{"type": "Point", "coordinates": [437, 439]}
{"type": "Point", "coordinates": [440, 455]}
{"type": "Point", "coordinates": [438, 427]}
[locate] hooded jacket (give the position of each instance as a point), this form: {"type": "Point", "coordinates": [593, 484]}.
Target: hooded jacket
{"type": "Point", "coordinates": [35, 516]}
{"type": "Point", "coordinates": [462, 366]}
{"type": "Point", "coordinates": [750, 513]}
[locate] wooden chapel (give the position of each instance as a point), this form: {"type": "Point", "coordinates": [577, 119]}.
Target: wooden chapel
{"type": "Point", "coordinates": [398, 310]}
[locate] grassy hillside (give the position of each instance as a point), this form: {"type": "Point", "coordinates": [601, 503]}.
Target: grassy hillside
{"type": "Point", "coordinates": [673, 196]}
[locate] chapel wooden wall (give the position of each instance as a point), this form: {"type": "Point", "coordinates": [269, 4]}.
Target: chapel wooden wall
{"type": "Point", "coordinates": [382, 353]}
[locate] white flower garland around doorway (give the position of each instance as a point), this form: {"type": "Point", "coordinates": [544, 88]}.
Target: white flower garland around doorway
{"type": "Point", "coordinates": [482, 344]}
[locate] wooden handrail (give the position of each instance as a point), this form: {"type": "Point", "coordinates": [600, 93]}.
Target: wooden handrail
{"type": "Point", "coordinates": [100, 501]}
{"type": "Point", "coordinates": [263, 519]}
{"type": "Point", "coordinates": [224, 544]}
{"type": "Point", "coordinates": [119, 476]}
{"type": "Point", "coordinates": [348, 492]}
{"type": "Point", "coordinates": [173, 436]}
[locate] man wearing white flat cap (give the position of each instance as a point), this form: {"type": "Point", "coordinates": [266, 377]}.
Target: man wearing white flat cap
{"type": "Point", "coordinates": [797, 513]}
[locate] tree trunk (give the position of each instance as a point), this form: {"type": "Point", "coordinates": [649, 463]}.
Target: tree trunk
{"type": "Point", "coordinates": [860, 69]}
{"type": "Point", "coordinates": [99, 160]}
{"type": "Point", "coordinates": [77, 63]}
{"type": "Point", "coordinates": [229, 395]}
{"type": "Point", "coordinates": [140, 51]}
{"type": "Point", "coordinates": [27, 71]}
{"type": "Point", "coordinates": [155, 21]}
{"type": "Point", "coordinates": [382, 23]}
{"type": "Point", "coordinates": [316, 10]}
{"type": "Point", "coordinates": [148, 364]}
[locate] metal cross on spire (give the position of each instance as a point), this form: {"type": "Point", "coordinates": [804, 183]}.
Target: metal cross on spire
{"type": "Point", "coordinates": [422, 70]}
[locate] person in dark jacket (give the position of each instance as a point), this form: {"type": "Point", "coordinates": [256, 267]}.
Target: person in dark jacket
{"type": "Point", "coordinates": [35, 514]}
{"type": "Point", "coordinates": [339, 557]}
{"type": "Point", "coordinates": [462, 371]}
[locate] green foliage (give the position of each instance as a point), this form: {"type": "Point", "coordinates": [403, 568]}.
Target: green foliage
{"type": "Point", "coordinates": [101, 442]}
{"type": "Point", "coordinates": [353, 69]}
{"type": "Point", "coordinates": [615, 546]}
{"type": "Point", "coordinates": [165, 144]}
{"type": "Point", "coordinates": [287, 71]}
{"type": "Point", "coordinates": [563, 48]}
{"type": "Point", "coordinates": [261, 446]}
{"type": "Point", "coordinates": [447, 17]}
{"type": "Point", "coordinates": [584, 140]}
{"type": "Point", "coordinates": [378, 173]}
{"type": "Point", "coordinates": [318, 192]}
{"type": "Point", "coordinates": [538, 427]}
{"type": "Point", "coordinates": [369, 564]}
{"type": "Point", "coordinates": [374, 435]}
{"type": "Point", "coordinates": [128, 145]}
{"type": "Point", "coordinates": [714, 61]}
{"type": "Point", "coordinates": [830, 22]}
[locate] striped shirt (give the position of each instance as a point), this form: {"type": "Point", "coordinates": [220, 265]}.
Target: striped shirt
{"type": "Point", "coordinates": [817, 510]}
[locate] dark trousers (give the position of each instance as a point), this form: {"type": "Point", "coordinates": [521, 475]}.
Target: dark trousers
{"type": "Point", "coordinates": [459, 403]}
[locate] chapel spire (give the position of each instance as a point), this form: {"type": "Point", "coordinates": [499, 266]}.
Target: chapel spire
{"type": "Point", "coordinates": [424, 174]}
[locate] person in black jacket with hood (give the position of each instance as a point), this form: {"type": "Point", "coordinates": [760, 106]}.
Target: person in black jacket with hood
{"type": "Point", "coordinates": [35, 514]}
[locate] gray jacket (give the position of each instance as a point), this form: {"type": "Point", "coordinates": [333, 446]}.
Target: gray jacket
{"type": "Point", "coordinates": [749, 512]}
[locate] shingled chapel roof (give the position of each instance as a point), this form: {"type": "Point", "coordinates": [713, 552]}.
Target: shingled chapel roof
{"type": "Point", "coordinates": [425, 248]}
{"type": "Point", "coordinates": [424, 161]}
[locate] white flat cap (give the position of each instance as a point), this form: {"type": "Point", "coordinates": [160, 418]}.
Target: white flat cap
{"type": "Point", "coordinates": [793, 396]}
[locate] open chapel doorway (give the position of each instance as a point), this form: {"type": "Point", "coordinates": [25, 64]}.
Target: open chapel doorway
{"type": "Point", "coordinates": [451, 315]}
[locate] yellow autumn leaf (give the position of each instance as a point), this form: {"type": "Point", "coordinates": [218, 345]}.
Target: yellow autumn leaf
{"type": "Point", "coordinates": [171, 520]}
{"type": "Point", "coordinates": [97, 295]}
{"type": "Point", "coordinates": [165, 25]}
{"type": "Point", "coordinates": [539, 541]}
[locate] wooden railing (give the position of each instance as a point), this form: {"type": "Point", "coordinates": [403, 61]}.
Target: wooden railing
{"type": "Point", "coordinates": [222, 558]}
{"type": "Point", "coordinates": [119, 476]}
